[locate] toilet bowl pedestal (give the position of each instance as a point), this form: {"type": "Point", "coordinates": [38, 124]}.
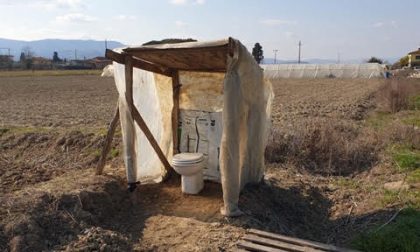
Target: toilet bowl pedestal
{"type": "Point", "coordinates": [192, 184]}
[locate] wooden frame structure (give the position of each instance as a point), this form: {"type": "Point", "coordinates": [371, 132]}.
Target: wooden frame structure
{"type": "Point", "coordinates": [167, 60]}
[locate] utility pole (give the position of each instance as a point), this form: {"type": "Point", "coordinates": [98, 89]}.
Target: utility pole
{"type": "Point", "coordinates": [300, 45]}
{"type": "Point", "coordinates": [275, 55]}
{"type": "Point", "coordinates": [106, 44]}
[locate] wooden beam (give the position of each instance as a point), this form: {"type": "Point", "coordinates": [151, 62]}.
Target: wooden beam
{"type": "Point", "coordinates": [138, 63]}
{"type": "Point", "coordinates": [257, 247]}
{"type": "Point", "coordinates": [176, 86]}
{"type": "Point", "coordinates": [128, 62]}
{"type": "Point", "coordinates": [312, 244]}
{"type": "Point", "coordinates": [279, 244]}
{"type": "Point", "coordinates": [130, 142]}
{"type": "Point", "coordinates": [108, 140]}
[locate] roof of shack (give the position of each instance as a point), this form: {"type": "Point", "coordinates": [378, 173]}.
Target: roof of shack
{"type": "Point", "coordinates": [208, 56]}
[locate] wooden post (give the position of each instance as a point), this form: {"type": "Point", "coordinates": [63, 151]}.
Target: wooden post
{"type": "Point", "coordinates": [108, 140]}
{"type": "Point", "coordinates": [129, 80]}
{"type": "Point", "coordinates": [175, 110]}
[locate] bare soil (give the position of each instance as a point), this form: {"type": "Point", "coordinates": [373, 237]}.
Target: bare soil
{"type": "Point", "coordinates": [51, 132]}
{"type": "Point", "coordinates": [53, 101]}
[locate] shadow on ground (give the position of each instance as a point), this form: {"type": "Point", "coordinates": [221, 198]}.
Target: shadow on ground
{"type": "Point", "coordinates": [157, 216]}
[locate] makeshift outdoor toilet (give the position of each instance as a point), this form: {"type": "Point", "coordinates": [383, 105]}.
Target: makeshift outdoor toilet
{"type": "Point", "coordinates": [200, 108]}
{"type": "Point", "coordinates": [190, 167]}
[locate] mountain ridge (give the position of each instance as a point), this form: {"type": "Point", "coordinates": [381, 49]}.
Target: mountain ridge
{"type": "Point", "coordinates": [66, 48]}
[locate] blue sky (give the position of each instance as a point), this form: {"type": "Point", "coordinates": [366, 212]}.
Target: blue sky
{"type": "Point", "coordinates": [353, 28]}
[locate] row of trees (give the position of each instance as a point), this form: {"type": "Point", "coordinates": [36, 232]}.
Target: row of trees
{"type": "Point", "coordinates": [26, 58]}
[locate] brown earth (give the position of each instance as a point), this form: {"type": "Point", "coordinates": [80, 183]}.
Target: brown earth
{"type": "Point", "coordinates": [50, 137]}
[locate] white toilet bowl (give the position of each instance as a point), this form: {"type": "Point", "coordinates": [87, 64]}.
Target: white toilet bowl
{"type": "Point", "coordinates": [190, 167]}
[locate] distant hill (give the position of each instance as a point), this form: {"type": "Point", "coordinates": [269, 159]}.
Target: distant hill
{"type": "Point", "coordinates": [65, 48]}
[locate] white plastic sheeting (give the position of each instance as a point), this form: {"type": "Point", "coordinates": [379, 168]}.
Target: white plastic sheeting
{"type": "Point", "coordinates": [244, 99]}
{"type": "Point", "coordinates": [368, 70]}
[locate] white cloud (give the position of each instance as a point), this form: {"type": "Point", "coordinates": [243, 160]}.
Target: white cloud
{"type": "Point", "coordinates": [290, 35]}
{"type": "Point", "coordinates": [178, 2]}
{"type": "Point", "coordinates": [180, 24]}
{"type": "Point", "coordinates": [75, 18]}
{"type": "Point", "coordinates": [277, 22]}
{"type": "Point", "coordinates": [46, 4]}
{"type": "Point", "coordinates": [125, 17]}
{"type": "Point", "coordinates": [185, 2]}
{"type": "Point", "coordinates": [199, 2]}
{"type": "Point", "coordinates": [394, 24]}
{"type": "Point", "coordinates": [378, 25]}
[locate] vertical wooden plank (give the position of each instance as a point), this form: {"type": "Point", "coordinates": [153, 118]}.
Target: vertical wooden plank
{"type": "Point", "coordinates": [175, 110]}
{"type": "Point", "coordinates": [129, 80]}
{"type": "Point", "coordinates": [131, 160]}
{"type": "Point", "coordinates": [108, 140]}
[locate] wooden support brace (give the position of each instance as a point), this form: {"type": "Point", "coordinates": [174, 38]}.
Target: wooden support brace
{"type": "Point", "coordinates": [142, 124]}
{"type": "Point", "coordinates": [108, 141]}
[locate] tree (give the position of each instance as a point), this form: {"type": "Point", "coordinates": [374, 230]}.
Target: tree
{"type": "Point", "coordinates": [257, 52]}
{"type": "Point", "coordinates": [28, 52]}
{"type": "Point", "coordinates": [26, 57]}
{"type": "Point", "coordinates": [22, 57]}
{"type": "Point", "coordinates": [375, 60]}
{"type": "Point", "coordinates": [56, 58]}
{"type": "Point", "coordinates": [404, 61]}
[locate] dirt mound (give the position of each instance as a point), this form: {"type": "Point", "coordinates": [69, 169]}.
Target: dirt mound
{"type": "Point", "coordinates": [51, 220]}
{"type": "Point", "coordinates": [31, 157]}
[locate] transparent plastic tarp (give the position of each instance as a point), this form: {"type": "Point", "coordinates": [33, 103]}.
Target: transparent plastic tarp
{"type": "Point", "coordinates": [368, 70]}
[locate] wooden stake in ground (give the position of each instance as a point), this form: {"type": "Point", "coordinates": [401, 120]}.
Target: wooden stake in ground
{"type": "Point", "coordinates": [108, 140]}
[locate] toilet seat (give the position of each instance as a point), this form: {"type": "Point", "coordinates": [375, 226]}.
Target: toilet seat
{"type": "Point", "coordinates": [185, 159]}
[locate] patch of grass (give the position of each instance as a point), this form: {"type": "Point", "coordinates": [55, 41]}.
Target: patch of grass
{"type": "Point", "coordinates": [115, 152]}
{"type": "Point", "coordinates": [347, 183]}
{"type": "Point", "coordinates": [414, 176]}
{"type": "Point", "coordinates": [379, 120]}
{"type": "Point", "coordinates": [406, 158]}
{"type": "Point", "coordinates": [23, 130]}
{"type": "Point", "coordinates": [405, 197]}
{"type": "Point", "coordinates": [400, 235]}
{"type": "Point", "coordinates": [29, 73]}
{"type": "Point", "coordinates": [3, 131]}
{"type": "Point", "coordinates": [414, 102]}
{"type": "Point", "coordinates": [413, 119]}
{"type": "Point", "coordinates": [389, 197]}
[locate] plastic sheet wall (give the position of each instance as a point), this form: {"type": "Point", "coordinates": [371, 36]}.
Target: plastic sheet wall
{"type": "Point", "coordinates": [368, 70]}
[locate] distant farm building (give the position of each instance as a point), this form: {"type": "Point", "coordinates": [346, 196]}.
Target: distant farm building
{"type": "Point", "coordinates": [6, 61]}
{"type": "Point", "coordinates": [414, 58]}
